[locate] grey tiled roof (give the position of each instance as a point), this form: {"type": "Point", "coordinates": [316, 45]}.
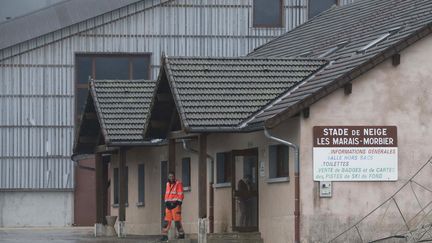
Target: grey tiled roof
{"type": "Point", "coordinates": [357, 25]}
{"type": "Point", "coordinates": [224, 92]}
{"type": "Point", "coordinates": [122, 107]}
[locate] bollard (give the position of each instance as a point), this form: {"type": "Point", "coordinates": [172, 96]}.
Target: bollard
{"type": "Point", "coordinates": [202, 230]}
{"type": "Point", "coordinates": [110, 230]}
{"type": "Point", "coordinates": [121, 229]}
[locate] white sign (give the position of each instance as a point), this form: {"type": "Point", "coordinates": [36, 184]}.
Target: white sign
{"type": "Point", "coordinates": [355, 153]}
{"type": "Point", "coordinates": [261, 169]}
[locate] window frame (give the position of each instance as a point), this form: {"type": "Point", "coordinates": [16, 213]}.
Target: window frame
{"type": "Point", "coordinates": [276, 165]}
{"type": "Point", "coordinates": [141, 188]}
{"type": "Point", "coordinates": [186, 186]}
{"type": "Point", "coordinates": [281, 19]}
{"type": "Point", "coordinates": [227, 170]}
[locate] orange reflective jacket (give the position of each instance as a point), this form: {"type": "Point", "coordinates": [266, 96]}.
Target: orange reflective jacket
{"type": "Point", "coordinates": [174, 192]}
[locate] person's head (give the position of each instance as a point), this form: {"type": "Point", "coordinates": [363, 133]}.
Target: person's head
{"type": "Point", "coordinates": [171, 177]}
{"type": "Point", "coordinates": [247, 178]}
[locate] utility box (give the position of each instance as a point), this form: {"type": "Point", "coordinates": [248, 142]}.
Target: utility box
{"type": "Point", "coordinates": [325, 189]}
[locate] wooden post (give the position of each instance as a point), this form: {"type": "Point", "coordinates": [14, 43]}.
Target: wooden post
{"type": "Point", "coordinates": [105, 189]}
{"type": "Point", "coordinates": [171, 155]}
{"type": "Point", "coordinates": [122, 185]}
{"type": "Point", "coordinates": [202, 176]}
{"type": "Point", "coordinates": [99, 189]}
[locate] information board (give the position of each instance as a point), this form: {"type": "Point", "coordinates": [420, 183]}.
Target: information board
{"type": "Point", "coordinates": [355, 153]}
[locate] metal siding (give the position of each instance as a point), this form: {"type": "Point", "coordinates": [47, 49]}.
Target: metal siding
{"type": "Point", "coordinates": [37, 84]}
{"type": "Point", "coordinates": [36, 173]}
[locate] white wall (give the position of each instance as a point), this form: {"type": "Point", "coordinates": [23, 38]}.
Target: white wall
{"type": "Point", "coordinates": [20, 209]}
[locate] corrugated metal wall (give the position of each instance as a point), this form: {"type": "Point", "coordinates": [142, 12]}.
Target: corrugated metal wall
{"type": "Point", "coordinates": [37, 77]}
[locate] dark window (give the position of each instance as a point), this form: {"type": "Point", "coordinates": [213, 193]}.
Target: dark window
{"type": "Point", "coordinates": [107, 66]}
{"type": "Point", "coordinates": [84, 69]}
{"type": "Point", "coordinates": [318, 6]}
{"type": "Point", "coordinates": [186, 171]}
{"type": "Point", "coordinates": [112, 68]}
{"type": "Point", "coordinates": [223, 167]}
{"type": "Point", "coordinates": [267, 13]}
{"type": "Point", "coordinates": [117, 184]}
{"type": "Point", "coordinates": [278, 161]}
{"type": "Point", "coordinates": [141, 183]}
{"type": "Point", "coordinates": [138, 72]}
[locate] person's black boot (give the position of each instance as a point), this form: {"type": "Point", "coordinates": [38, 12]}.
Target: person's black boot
{"type": "Point", "coordinates": [181, 236]}
{"type": "Point", "coordinates": [164, 238]}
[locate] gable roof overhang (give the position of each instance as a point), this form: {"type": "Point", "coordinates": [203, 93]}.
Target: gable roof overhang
{"type": "Point", "coordinates": [88, 132]}
{"type": "Point", "coordinates": [114, 115]}
{"type": "Point", "coordinates": [203, 95]}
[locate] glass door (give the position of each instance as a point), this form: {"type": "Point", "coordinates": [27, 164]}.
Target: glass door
{"type": "Point", "coordinates": [244, 182]}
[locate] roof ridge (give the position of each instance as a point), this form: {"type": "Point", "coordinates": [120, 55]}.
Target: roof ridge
{"type": "Point", "coordinates": [246, 58]}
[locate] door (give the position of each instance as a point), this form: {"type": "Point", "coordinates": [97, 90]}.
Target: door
{"type": "Point", "coordinates": [164, 179]}
{"type": "Point", "coordinates": [244, 183]}
{"type": "Point", "coordinates": [84, 194]}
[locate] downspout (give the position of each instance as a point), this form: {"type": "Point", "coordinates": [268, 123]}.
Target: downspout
{"type": "Point", "coordinates": [296, 182]}
{"type": "Point", "coordinates": [211, 181]}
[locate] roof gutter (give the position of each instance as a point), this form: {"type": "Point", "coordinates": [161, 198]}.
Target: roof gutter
{"type": "Point", "coordinates": [155, 142]}
{"type": "Point", "coordinates": [250, 128]}
{"type": "Point", "coordinates": [211, 181]}
{"type": "Point", "coordinates": [296, 181]}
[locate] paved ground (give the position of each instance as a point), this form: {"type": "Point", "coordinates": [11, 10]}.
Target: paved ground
{"type": "Point", "coordinates": [63, 235]}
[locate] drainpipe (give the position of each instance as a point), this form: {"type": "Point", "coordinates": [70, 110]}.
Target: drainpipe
{"type": "Point", "coordinates": [296, 182]}
{"type": "Point", "coordinates": [211, 189]}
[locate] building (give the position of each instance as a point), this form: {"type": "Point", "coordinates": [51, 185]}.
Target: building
{"type": "Point", "coordinates": [46, 58]}
{"type": "Point", "coordinates": [296, 116]}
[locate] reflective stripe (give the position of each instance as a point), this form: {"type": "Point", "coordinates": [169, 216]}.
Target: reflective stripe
{"type": "Point", "coordinates": [171, 200]}
{"type": "Point", "coordinates": [174, 192]}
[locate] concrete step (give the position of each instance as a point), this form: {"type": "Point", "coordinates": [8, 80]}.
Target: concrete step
{"type": "Point", "coordinates": [235, 237]}
{"type": "Point", "coordinates": [183, 241]}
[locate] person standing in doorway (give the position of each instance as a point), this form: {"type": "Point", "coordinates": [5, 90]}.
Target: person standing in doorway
{"type": "Point", "coordinates": [173, 202]}
{"type": "Point", "coordinates": [244, 198]}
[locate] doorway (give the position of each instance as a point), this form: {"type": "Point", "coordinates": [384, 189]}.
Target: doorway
{"type": "Point", "coordinates": [244, 183]}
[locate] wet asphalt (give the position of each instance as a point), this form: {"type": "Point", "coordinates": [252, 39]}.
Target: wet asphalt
{"type": "Point", "coordinates": [64, 235]}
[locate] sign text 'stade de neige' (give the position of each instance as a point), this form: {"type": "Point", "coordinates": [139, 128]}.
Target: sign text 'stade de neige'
{"type": "Point", "coordinates": [355, 153]}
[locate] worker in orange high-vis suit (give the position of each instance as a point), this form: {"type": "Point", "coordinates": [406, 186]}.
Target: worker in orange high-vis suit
{"type": "Point", "coordinates": [173, 201]}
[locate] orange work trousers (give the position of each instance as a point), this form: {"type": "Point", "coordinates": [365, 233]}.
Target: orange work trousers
{"type": "Point", "coordinates": [173, 214]}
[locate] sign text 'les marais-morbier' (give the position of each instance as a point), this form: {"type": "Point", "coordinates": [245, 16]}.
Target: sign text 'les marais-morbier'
{"type": "Point", "coordinates": [355, 153]}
